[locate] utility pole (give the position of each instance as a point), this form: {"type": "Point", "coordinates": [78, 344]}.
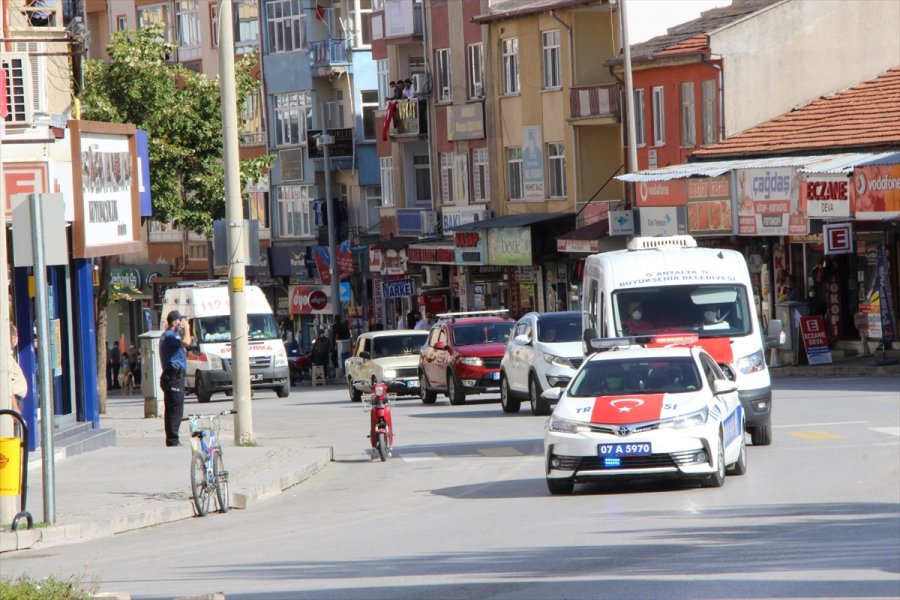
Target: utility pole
{"type": "Point", "coordinates": [326, 141]}
{"type": "Point", "coordinates": [234, 219]}
{"type": "Point", "coordinates": [629, 98]}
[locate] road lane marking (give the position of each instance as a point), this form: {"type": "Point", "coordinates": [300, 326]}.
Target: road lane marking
{"type": "Point", "coordinates": [819, 424]}
{"type": "Point", "coordinates": [817, 435]}
{"type": "Point", "coordinates": [502, 451]}
{"type": "Point", "coordinates": [887, 430]}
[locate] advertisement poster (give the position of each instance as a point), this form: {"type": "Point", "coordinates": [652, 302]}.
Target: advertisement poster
{"type": "Point", "coordinates": [709, 205]}
{"type": "Point", "coordinates": [815, 340]}
{"type": "Point", "coordinates": [661, 193]}
{"type": "Point", "coordinates": [769, 202]}
{"type": "Point", "coordinates": [533, 163]}
{"type": "Point", "coordinates": [509, 246]}
{"type": "Point", "coordinates": [311, 300]}
{"type": "Point", "coordinates": [876, 192]}
{"type": "Point", "coordinates": [469, 247]}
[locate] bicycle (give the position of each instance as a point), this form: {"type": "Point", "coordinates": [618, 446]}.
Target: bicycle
{"type": "Point", "coordinates": [208, 472]}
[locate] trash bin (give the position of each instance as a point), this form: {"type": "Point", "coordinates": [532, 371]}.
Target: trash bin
{"type": "Point", "coordinates": [786, 311]}
{"type": "Point", "coordinates": [150, 373]}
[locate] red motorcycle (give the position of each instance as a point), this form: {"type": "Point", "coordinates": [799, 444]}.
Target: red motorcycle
{"type": "Point", "coordinates": [300, 367]}
{"type": "Point", "coordinates": [381, 429]}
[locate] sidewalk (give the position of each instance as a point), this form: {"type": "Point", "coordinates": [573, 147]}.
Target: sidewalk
{"type": "Point", "coordinates": [141, 483]}
{"type": "Point", "coordinates": [876, 365]}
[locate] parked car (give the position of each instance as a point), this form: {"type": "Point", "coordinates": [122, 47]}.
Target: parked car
{"type": "Point", "coordinates": [463, 354]}
{"type": "Point", "coordinates": [388, 356]}
{"type": "Point", "coordinates": [544, 352]}
{"type": "Point", "coordinates": [645, 412]}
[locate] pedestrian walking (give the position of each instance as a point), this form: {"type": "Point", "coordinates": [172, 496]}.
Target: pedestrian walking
{"type": "Point", "coordinates": [173, 359]}
{"type": "Point", "coordinates": [115, 363]}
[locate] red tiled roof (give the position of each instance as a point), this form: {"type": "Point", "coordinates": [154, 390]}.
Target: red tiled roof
{"type": "Point", "coordinates": [692, 45]}
{"type": "Point", "coordinates": [865, 116]}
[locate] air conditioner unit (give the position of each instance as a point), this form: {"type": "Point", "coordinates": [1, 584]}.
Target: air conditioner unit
{"type": "Point", "coordinates": [429, 221]}
{"type": "Point", "coordinates": [433, 276]}
{"type": "Point", "coordinates": [421, 83]}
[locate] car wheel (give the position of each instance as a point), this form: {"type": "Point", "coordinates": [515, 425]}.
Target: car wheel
{"type": "Point", "coordinates": [539, 406]}
{"type": "Point", "coordinates": [717, 479]}
{"type": "Point", "coordinates": [559, 487]}
{"type": "Point", "coordinates": [283, 391]}
{"type": "Point", "coordinates": [761, 435]}
{"type": "Point", "coordinates": [203, 394]}
{"type": "Point", "coordinates": [740, 465]}
{"type": "Point", "coordinates": [355, 394]}
{"type": "Point", "coordinates": [509, 404]}
{"type": "Point", "coordinates": [454, 390]}
{"type": "Point", "coordinates": [428, 396]}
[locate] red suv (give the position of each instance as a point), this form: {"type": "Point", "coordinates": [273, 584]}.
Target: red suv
{"type": "Point", "coordinates": [463, 355]}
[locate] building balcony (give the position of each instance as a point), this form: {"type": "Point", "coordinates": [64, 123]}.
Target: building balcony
{"type": "Point", "coordinates": [402, 22]}
{"type": "Point", "coordinates": [600, 101]}
{"type": "Point", "coordinates": [330, 56]}
{"type": "Point", "coordinates": [409, 120]}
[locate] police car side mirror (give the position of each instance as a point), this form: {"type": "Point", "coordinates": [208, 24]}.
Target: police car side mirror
{"type": "Point", "coordinates": [552, 394]}
{"type": "Point", "coordinates": [723, 386]}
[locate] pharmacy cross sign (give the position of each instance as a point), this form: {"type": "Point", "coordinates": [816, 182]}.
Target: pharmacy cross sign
{"type": "Point", "coordinates": [838, 238]}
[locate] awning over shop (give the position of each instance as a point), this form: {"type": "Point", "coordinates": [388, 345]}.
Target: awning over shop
{"type": "Point", "coordinates": [891, 158]}
{"type": "Point", "coordinates": [590, 239]}
{"type": "Point", "coordinates": [513, 221]}
{"type": "Point", "coordinates": [825, 163]}
{"type": "Point", "coordinates": [394, 243]}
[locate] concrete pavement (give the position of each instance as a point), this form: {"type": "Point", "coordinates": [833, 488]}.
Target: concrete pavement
{"type": "Point", "coordinates": [139, 482]}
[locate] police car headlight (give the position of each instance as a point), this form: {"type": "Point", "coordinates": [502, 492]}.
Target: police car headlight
{"type": "Point", "coordinates": [753, 363]}
{"type": "Point", "coordinates": [565, 426]}
{"type": "Point", "coordinates": [390, 373]}
{"type": "Point", "coordinates": [559, 361]}
{"type": "Point", "coordinates": [695, 419]}
{"type": "Point", "coordinates": [280, 359]}
{"type": "Point", "coordinates": [215, 362]}
{"type": "Point", "coordinates": [471, 360]}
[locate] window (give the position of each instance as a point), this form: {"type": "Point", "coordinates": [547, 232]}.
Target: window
{"type": "Point", "coordinates": [252, 131]}
{"type": "Point", "coordinates": [688, 125]}
{"type": "Point", "coordinates": [461, 178]}
{"type": "Point", "coordinates": [246, 32]}
{"type": "Point", "coordinates": [19, 89]}
{"type": "Point", "coordinates": [659, 117]}
{"type": "Point", "coordinates": [422, 168]}
{"type": "Point", "coordinates": [373, 202]}
{"type": "Point", "coordinates": [551, 59]}
{"type": "Point", "coordinates": [361, 15]}
{"type": "Point", "coordinates": [197, 251]}
{"type": "Point", "coordinates": [384, 72]}
{"type": "Point", "coordinates": [556, 155]}
{"type": "Point", "coordinates": [442, 73]}
{"type": "Point", "coordinates": [447, 177]}
{"type": "Point", "coordinates": [515, 183]}
{"type": "Point", "coordinates": [214, 25]}
{"type": "Point", "coordinates": [333, 112]}
{"type": "Point", "coordinates": [510, 66]}
{"type": "Point", "coordinates": [639, 118]}
{"type": "Point", "coordinates": [154, 14]}
{"type": "Point", "coordinates": [293, 114]}
{"type": "Point", "coordinates": [475, 62]}
{"type": "Point", "coordinates": [286, 26]}
{"type": "Point", "coordinates": [121, 23]}
{"type": "Point", "coordinates": [296, 210]}
{"type": "Point", "coordinates": [188, 23]}
{"type": "Point", "coordinates": [369, 106]}
{"type": "Point", "coordinates": [480, 185]}
{"type": "Point", "coordinates": [708, 98]}
{"type": "Point", "coordinates": [387, 181]}
{"type": "Point", "coordinates": [257, 207]}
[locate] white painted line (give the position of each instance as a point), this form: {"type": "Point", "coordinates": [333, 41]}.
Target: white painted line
{"type": "Point", "coordinates": [418, 457]}
{"type": "Point", "coordinates": [819, 424]}
{"type": "Point", "coordinates": [887, 430]}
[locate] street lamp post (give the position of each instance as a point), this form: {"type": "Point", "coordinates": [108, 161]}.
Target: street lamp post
{"type": "Point", "coordinates": [324, 141]}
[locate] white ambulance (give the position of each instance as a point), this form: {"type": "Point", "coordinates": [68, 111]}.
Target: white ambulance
{"type": "Point", "coordinates": [207, 304]}
{"type": "Point", "coordinates": [668, 285]}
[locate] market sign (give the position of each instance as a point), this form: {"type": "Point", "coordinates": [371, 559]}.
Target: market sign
{"type": "Point", "coordinates": [441, 255]}
{"type": "Point", "coordinates": [469, 247]}
{"type": "Point", "coordinates": [509, 246]}
{"type": "Point", "coordinates": [876, 192]}
{"type": "Point", "coordinates": [454, 216]}
{"type": "Point", "coordinates": [709, 205]}
{"type": "Point", "coordinates": [397, 288]}
{"type": "Point", "coordinates": [768, 202]}
{"type": "Point", "coordinates": [825, 196]}
{"type": "Point", "coordinates": [838, 238]}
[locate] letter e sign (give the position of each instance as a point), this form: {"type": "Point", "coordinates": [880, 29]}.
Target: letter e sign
{"type": "Point", "coordinates": [838, 238]}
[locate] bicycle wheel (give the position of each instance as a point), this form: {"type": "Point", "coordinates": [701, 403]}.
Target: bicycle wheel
{"type": "Point", "coordinates": [382, 446]}
{"type": "Point", "coordinates": [220, 475]}
{"type": "Point", "coordinates": [199, 485]}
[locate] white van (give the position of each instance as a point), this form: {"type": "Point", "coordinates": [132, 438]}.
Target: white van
{"type": "Point", "coordinates": [678, 287]}
{"type": "Point", "coordinates": [207, 305]}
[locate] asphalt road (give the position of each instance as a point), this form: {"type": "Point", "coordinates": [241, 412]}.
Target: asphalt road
{"type": "Point", "coordinates": [462, 511]}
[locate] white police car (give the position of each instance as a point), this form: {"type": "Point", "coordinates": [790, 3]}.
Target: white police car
{"type": "Point", "coordinates": [633, 411]}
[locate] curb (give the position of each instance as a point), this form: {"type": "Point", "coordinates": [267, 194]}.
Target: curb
{"type": "Point", "coordinates": [55, 535]}
{"type": "Point", "coordinates": [835, 370]}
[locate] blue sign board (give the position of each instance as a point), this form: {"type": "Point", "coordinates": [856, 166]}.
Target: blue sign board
{"type": "Point", "coordinates": [397, 289]}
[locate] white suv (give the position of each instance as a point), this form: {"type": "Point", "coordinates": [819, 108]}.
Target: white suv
{"type": "Point", "coordinates": [544, 351]}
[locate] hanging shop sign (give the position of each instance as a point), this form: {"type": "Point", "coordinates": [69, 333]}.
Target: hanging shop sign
{"type": "Point", "coordinates": [768, 202]}
{"type": "Point", "coordinates": [838, 238]}
{"type": "Point", "coordinates": [454, 216]}
{"type": "Point", "coordinates": [877, 192]}
{"type": "Point", "coordinates": [621, 222]}
{"type": "Point", "coordinates": [509, 246]}
{"type": "Point", "coordinates": [398, 288]}
{"type": "Point", "coordinates": [709, 205]}
{"type": "Point", "coordinates": [125, 280]}
{"type": "Point", "coordinates": [341, 147]}
{"type": "Point", "coordinates": [469, 247]}
{"type": "Point", "coordinates": [825, 196]}
{"type": "Point", "coordinates": [660, 193]}
{"type": "Point", "coordinates": [311, 300]}
{"type": "Point", "coordinates": [431, 255]}
{"type": "Point", "coordinates": [375, 260]}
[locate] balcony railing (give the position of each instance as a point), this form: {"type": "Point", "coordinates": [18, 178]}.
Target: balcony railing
{"type": "Point", "coordinates": [601, 100]}
{"type": "Point", "coordinates": [410, 118]}
{"type": "Point", "coordinates": [330, 53]}
{"type": "Point", "coordinates": [409, 221]}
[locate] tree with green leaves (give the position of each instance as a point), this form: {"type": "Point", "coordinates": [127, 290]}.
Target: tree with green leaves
{"type": "Point", "coordinates": [181, 111]}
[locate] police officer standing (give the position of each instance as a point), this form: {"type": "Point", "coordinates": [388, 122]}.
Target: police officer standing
{"type": "Point", "coordinates": [173, 357]}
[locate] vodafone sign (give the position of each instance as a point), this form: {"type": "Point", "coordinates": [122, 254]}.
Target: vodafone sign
{"type": "Point", "coordinates": [311, 300]}
{"type": "Point", "coordinates": [661, 193]}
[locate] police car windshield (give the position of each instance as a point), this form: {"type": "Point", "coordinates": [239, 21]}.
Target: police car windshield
{"type": "Point", "coordinates": [398, 345]}
{"type": "Point", "coordinates": [218, 328]}
{"type": "Point", "coordinates": [709, 310]}
{"type": "Point", "coordinates": [666, 375]}
{"type": "Point", "coordinates": [481, 333]}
